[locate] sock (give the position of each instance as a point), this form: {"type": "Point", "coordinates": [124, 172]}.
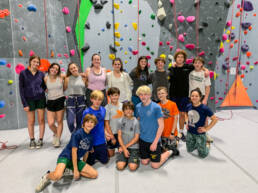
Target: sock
{"type": "Point", "coordinates": [41, 139]}
{"type": "Point", "coordinates": [32, 139]}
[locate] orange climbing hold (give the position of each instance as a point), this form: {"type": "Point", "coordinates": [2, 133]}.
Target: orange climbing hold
{"type": "Point", "coordinates": [44, 65]}
{"type": "Point", "coordinates": [52, 54]}
{"type": "Point", "coordinates": [235, 41]}
{"type": "Point", "coordinates": [250, 28]}
{"type": "Point", "coordinates": [248, 54]}
{"type": "Point", "coordinates": [237, 95]}
{"type": "Point", "coordinates": [238, 14]}
{"type": "Point", "coordinates": [24, 38]}
{"type": "Point", "coordinates": [254, 14]}
{"type": "Point", "coordinates": [20, 53]}
{"type": "Point", "coordinates": [245, 32]}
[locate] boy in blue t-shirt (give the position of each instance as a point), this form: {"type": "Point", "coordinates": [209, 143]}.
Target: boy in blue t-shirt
{"type": "Point", "coordinates": [196, 114]}
{"type": "Point", "coordinates": [151, 121]}
{"type": "Point", "coordinates": [79, 146]}
{"type": "Point", "coordinates": [98, 133]}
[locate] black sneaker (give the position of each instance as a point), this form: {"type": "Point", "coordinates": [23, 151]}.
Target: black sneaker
{"type": "Point", "coordinates": [39, 144]}
{"type": "Point", "coordinates": [183, 138]}
{"type": "Point", "coordinates": [32, 144]}
{"type": "Point", "coordinates": [175, 152]}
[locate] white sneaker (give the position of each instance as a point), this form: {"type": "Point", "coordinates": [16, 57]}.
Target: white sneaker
{"type": "Point", "coordinates": [68, 172]}
{"type": "Point", "coordinates": [54, 140]}
{"type": "Point", "coordinates": [57, 142]}
{"type": "Point", "coordinates": [44, 182]}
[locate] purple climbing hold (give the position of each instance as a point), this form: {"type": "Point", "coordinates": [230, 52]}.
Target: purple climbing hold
{"type": "Point", "coordinates": [246, 25]}
{"type": "Point", "coordinates": [244, 48]}
{"type": "Point", "coordinates": [248, 6]}
{"type": "Point", "coordinates": [225, 66]}
{"type": "Point", "coordinates": [231, 36]}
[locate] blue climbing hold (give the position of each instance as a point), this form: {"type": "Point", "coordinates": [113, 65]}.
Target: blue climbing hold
{"type": "Point", "coordinates": [130, 48]}
{"type": "Point", "coordinates": [3, 62]}
{"type": "Point", "coordinates": [121, 48]}
{"type": "Point", "coordinates": [103, 29]}
{"type": "Point", "coordinates": [32, 7]}
{"type": "Point", "coordinates": [121, 39]}
{"type": "Point", "coordinates": [126, 25]}
{"type": "Point", "coordinates": [2, 104]}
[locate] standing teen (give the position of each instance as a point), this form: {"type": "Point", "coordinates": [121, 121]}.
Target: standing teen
{"type": "Point", "coordinates": [121, 80]}
{"type": "Point", "coordinates": [32, 91]}
{"type": "Point", "coordinates": [75, 89]}
{"type": "Point", "coordinates": [55, 101]}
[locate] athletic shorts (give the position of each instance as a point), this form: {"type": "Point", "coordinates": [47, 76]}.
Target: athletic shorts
{"type": "Point", "coordinates": [181, 103]}
{"type": "Point", "coordinates": [69, 164]}
{"type": "Point", "coordinates": [110, 145]}
{"type": "Point", "coordinates": [56, 105]}
{"type": "Point", "coordinates": [100, 153]}
{"type": "Point", "coordinates": [37, 104]}
{"type": "Point", "coordinates": [133, 158]}
{"type": "Point", "coordinates": [146, 153]}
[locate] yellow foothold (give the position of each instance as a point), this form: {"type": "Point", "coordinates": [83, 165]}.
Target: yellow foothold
{"type": "Point", "coordinates": [228, 32]}
{"type": "Point", "coordinates": [126, 62]}
{"type": "Point", "coordinates": [251, 67]}
{"type": "Point", "coordinates": [116, 5]}
{"type": "Point", "coordinates": [117, 43]}
{"type": "Point", "coordinates": [227, 41]}
{"type": "Point", "coordinates": [221, 45]}
{"type": "Point", "coordinates": [134, 26]}
{"type": "Point", "coordinates": [117, 34]}
{"type": "Point", "coordinates": [233, 27]}
{"type": "Point", "coordinates": [112, 56]}
{"type": "Point", "coordinates": [215, 75]}
{"type": "Point", "coordinates": [163, 56]}
{"type": "Point", "coordinates": [116, 26]}
{"type": "Point", "coordinates": [126, 52]}
{"type": "Point", "coordinates": [170, 65]}
{"type": "Point", "coordinates": [10, 81]}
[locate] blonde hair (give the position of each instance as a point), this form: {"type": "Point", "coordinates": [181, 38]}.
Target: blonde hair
{"type": "Point", "coordinates": [90, 117]}
{"type": "Point", "coordinates": [97, 94]}
{"type": "Point", "coordinates": [143, 90]}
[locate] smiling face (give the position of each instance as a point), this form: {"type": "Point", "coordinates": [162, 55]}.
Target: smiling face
{"type": "Point", "coordinates": [162, 95]}
{"type": "Point", "coordinates": [117, 65]}
{"type": "Point", "coordinates": [198, 65]}
{"type": "Point", "coordinates": [195, 98]}
{"type": "Point", "coordinates": [160, 65]}
{"type": "Point", "coordinates": [128, 112]}
{"type": "Point", "coordinates": [180, 60]}
{"type": "Point", "coordinates": [73, 68]}
{"type": "Point", "coordinates": [34, 64]}
{"type": "Point", "coordinates": [143, 63]}
{"type": "Point", "coordinates": [114, 98]}
{"type": "Point", "coordinates": [54, 70]}
{"type": "Point", "coordinates": [96, 61]}
{"type": "Point", "coordinates": [89, 125]}
{"type": "Point", "coordinates": [145, 98]}
{"type": "Point", "coordinates": [96, 102]}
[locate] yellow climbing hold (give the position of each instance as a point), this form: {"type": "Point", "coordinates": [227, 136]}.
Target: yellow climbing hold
{"type": "Point", "coordinates": [126, 52]}
{"type": "Point", "coordinates": [134, 26]}
{"type": "Point", "coordinates": [117, 43]}
{"type": "Point", "coordinates": [126, 62]}
{"type": "Point", "coordinates": [251, 67]}
{"type": "Point", "coordinates": [112, 56]}
{"type": "Point", "coordinates": [228, 32]}
{"type": "Point", "coordinates": [221, 45]}
{"type": "Point", "coordinates": [117, 35]}
{"type": "Point", "coordinates": [116, 5]}
{"type": "Point", "coordinates": [10, 81]}
{"type": "Point", "coordinates": [227, 41]}
{"type": "Point", "coordinates": [170, 65]}
{"type": "Point", "coordinates": [116, 26]}
{"type": "Point", "coordinates": [163, 56]}
{"type": "Point", "coordinates": [233, 27]}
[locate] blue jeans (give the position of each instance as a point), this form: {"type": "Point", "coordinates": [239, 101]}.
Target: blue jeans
{"type": "Point", "coordinates": [75, 106]}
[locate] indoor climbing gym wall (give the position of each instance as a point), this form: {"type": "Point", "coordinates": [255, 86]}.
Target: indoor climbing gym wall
{"type": "Point", "coordinates": [72, 30]}
{"type": "Point", "coordinates": [236, 70]}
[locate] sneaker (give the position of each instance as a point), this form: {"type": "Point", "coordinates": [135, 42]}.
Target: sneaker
{"type": "Point", "coordinates": [68, 172]}
{"type": "Point", "coordinates": [208, 138]}
{"type": "Point", "coordinates": [44, 182]}
{"type": "Point", "coordinates": [54, 140]}
{"type": "Point", "coordinates": [175, 152]}
{"type": "Point", "coordinates": [57, 142]}
{"type": "Point", "coordinates": [32, 144]}
{"type": "Point", "coordinates": [39, 144]}
{"type": "Point", "coordinates": [183, 138]}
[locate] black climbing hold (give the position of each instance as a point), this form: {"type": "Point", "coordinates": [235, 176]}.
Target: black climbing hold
{"type": "Point", "coordinates": [200, 28]}
{"type": "Point", "coordinates": [93, 1]}
{"type": "Point", "coordinates": [246, 25]}
{"type": "Point", "coordinates": [98, 6]}
{"type": "Point", "coordinates": [244, 48]}
{"type": "Point", "coordinates": [205, 24]}
{"type": "Point", "coordinates": [227, 4]}
{"type": "Point", "coordinates": [112, 48]}
{"type": "Point", "coordinates": [87, 25]}
{"type": "Point", "coordinates": [231, 36]}
{"type": "Point", "coordinates": [196, 2]}
{"type": "Point", "coordinates": [216, 3]}
{"type": "Point", "coordinates": [85, 48]}
{"type": "Point", "coordinates": [130, 57]}
{"type": "Point", "coordinates": [103, 2]}
{"type": "Point", "coordinates": [98, 34]}
{"type": "Point", "coordinates": [218, 40]}
{"type": "Point", "coordinates": [108, 25]}
{"type": "Point", "coordinates": [211, 54]}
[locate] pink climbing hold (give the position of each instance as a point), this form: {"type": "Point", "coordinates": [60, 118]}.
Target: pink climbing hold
{"type": "Point", "coordinates": [31, 53]}
{"type": "Point", "coordinates": [178, 49]}
{"type": "Point", "coordinates": [190, 46]}
{"type": "Point", "coordinates": [190, 19]}
{"type": "Point", "coordinates": [72, 52]}
{"type": "Point", "coordinates": [172, 1]}
{"type": "Point", "coordinates": [60, 62]}
{"type": "Point", "coordinates": [144, 43]}
{"type": "Point", "coordinates": [68, 29]}
{"type": "Point", "coordinates": [66, 10]}
{"type": "Point", "coordinates": [189, 61]}
{"type": "Point", "coordinates": [181, 38]}
{"type": "Point", "coordinates": [62, 69]}
{"type": "Point", "coordinates": [135, 52]}
{"type": "Point", "coordinates": [229, 23]}
{"type": "Point", "coordinates": [216, 101]}
{"type": "Point", "coordinates": [2, 116]}
{"type": "Point", "coordinates": [168, 43]}
{"type": "Point", "coordinates": [148, 57]}
{"type": "Point", "coordinates": [221, 50]}
{"type": "Point", "coordinates": [243, 67]}
{"type": "Point", "coordinates": [256, 63]}
{"type": "Point", "coordinates": [8, 65]}
{"type": "Point", "coordinates": [19, 68]}
{"type": "Point", "coordinates": [220, 98]}
{"type": "Point", "coordinates": [238, 6]}
{"type": "Point", "coordinates": [211, 74]}
{"type": "Point", "coordinates": [171, 48]}
{"type": "Point", "coordinates": [212, 98]}
{"type": "Point", "coordinates": [59, 55]}
{"type": "Point", "coordinates": [66, 55]}
{"type": "Point", "coordinates": [247, 63]}
{"type": "Point", "coordinates": [160, 43]}
{"type": "Point", "coordinates": [202, 53]}
{"type": "Point", "coordinates": [210, 62]}
{"type": "Point", "coordinates": [181, 18]}
{"type": "Point", "coordinates": [235, 58]}
{"type": "Point", "coordinates": [256, 101]}
{"type": "Point", "coordinates": [224, 37]}
{"type": "Point", "coordinates": [184, 34]}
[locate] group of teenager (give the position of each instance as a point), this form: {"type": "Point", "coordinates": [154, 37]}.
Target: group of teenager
{"type": "Point", "coordinates": [140, 123]}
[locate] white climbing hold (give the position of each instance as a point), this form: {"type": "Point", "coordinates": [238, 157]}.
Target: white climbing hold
{"type": "Point", "coordinates": [161, 14]}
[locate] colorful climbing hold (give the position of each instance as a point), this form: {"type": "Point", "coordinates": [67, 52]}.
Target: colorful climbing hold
{"type": "Point", "coordinates": [248, 54]}
{"type": "Point", "coordinates": [134, 26]}
{"type": "Point", "coordinates": [117, 35]}
{"type": "Point", "coordinates": [8, 65]}
{"type": "Point", "coordinates": [66, 10]}
{"type": "Point", "coordinates": [3, 62]}
{"type": "Point", "coordinates": [116, 26]}
{"type": "Point", "coordinates": [31, 53]}
{"type": "Point", "coordinates": [202, 53]}
{"type": "Point", "coordinates": [20, 52]}
{"type": "Point", "coordinates": [44, 65]}
{"type": "Point", "coordinates": [117, 43]}
{"type": "Point", "coordinates": [130, 2]}
{"type": "Point", "coordinates": [116, 6]}
{"type": "Point", "coordinates": [163, 56]}
{"type": "Point", "coordinates": [10, 81]}
{"type": "Point", "coordinates": [144, 43]}
{"type": "Point", "coordinates": [181, 18]}
{"type": "Point", "coordinates": [152, 16]}
{"type": "Point", "coordinates": [32, 7]}
{"type": "Point", "coordinates": [160, 43]}
{"type": "Point", "coordinates": [190, 19]}
{"type": "Point", "coordinates": [190, 46]}
{"type": "Point", "coordinates": [68, 29]}
{"type": "Point", "coordinates": [19, 68]}
{"type": "Point", "coordinates": [135, 52]}
{"type": "Point", "coordinates": [181, 38]}
{"type": "Point", "coordinates": [2, 104]}
{"type": "Point", "coordinates": [72, 52]}
{"type": "Point", "coordinates": [2, 116]}
{"type": "Point", "coordinates": [224, 37]}
{"type": "Point", "coordinates": [112, 56]}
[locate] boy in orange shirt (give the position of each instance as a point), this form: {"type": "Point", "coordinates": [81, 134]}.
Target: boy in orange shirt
{"type": "Point", "coordinates": [170, 111]}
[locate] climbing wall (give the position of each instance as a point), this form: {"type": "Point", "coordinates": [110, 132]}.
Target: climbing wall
{"type": "Point", "coordinates": [238, 58]}
{"type": "Point", "coordinates": [72, 30]}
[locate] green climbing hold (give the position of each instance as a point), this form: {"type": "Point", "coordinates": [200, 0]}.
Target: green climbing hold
{"type": "Point", "coordinates": [130, 1]}
{"type": "Point", "coordinates": [143, 34]}
{"type": "Point", "coordinates": [130, 39]}
{"type": "Point", "coordinates": [140, 11]}
{"type": "Point", "coordinates": [152, 53]}
{"type": "Point", "coordinates": [153, 16]}
{"type": "Point", "coordinates": [148, 48]}
{"type": "Point", "coordinates": [152, 25]}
